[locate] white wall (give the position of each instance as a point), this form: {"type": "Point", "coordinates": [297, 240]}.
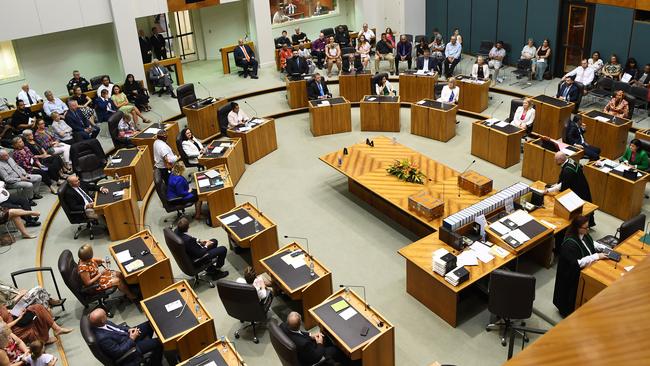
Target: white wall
{"type": "Point", "coordinates": [222, 25]}
{"type": "Point", "coordinates": [47, 61]}
{"type": "Point", "coordinates": [414, 17]}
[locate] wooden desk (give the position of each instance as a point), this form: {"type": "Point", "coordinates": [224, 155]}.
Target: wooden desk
{"type": "Point", "coordinates": [354, 86]}
{"type": "Point", "coordinates": [297, 283]}
{"type": "Point", "coordinates": [259, 141]}
{"type": "Point", "coordinates": [433, 119]}
{"type": "Point", "coordinates": [539, 246]}
{"type": "Point", "coordinates": [155, 274]}
{"type": "Point", "coordinates": [122, 214]}
{"type": "Point", "coordinates": [609, 329]}
{"type": "Point", "coordinates": [330, 119]}
{"type": "Point", "coordinates": [380, 113]}
{"type": "Point", "coordinates": [601, 274]}
{"type": "Point", "coordinates": [219, 200]}
{"type": "Point", "coordinates": [610, 136]}
{"type": "Point", "coordinates": [539, 163]}
{"type": "Point", "coordinates": [546, 214]}
{"type": "Point", "coordinates": [147, 138]}
{"type": "Point", "coordinates": [550, 116]}
{"type": "Point", "coordinates": [297, 92]}
{"type": "Point", "coordinates": [413, 87]}
{"type": "Point", "coordinates": [643, 134]}
{"type": "Point", "coordinates": [202, 119]}
{"type": "Point", "coordinates": [232, 157]}
{"type": "Point", "coordinates": [498, 145]}
{"type": "Point", "coordinates": [614, 194]}
{"type": "Point", "coordinates": [218, 352]}
{"type": "Point", "coordinates": [473, 94]}
{"type": "Point", "coordinates": [378, 349]}
{"type": "Point", "coordinates": [178, 70]}
{"type": "Point", "coordinates": [194, 329]}
{"type": "Point", "coordinates": [225, 61]}
{"type": "Point", "coordinates": [136, 159]}
{"type": "Point", "coordinates": [262, 241]}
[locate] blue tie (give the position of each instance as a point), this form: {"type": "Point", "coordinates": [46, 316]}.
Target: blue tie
{"type": "Point", "coordinates": [451, 97]}
{"type": "Point", "coordinates": [566, 92]}
{"type": "Point", "coordinates": [320, 89]}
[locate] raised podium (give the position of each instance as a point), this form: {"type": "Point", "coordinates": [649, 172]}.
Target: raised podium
{"type": "Point", "coordinates": [473, 94]}
{"type": "Point", "coordinates": [380, 113]}
{"type": "Point", "coordinates": [330, 116]}
{"type": "Point", "coordinates": [353, 86]}
{"type": "Point", "coordinates": [607, 132]}
{"type": "Point", "coordinates": [202, 117]}
{"type": "Point", "coordinates": [550, 115]}
{"type": "Point", "coordinates": [415, 86]}
{"type": "Point", "coordinates": [432, 119]}
{"type": "Point", "coordinates": [499, 143]}
{"type": "Point", "coordinates": [297, 92]}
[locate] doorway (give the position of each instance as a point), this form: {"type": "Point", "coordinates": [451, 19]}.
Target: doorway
{"type": "Point", "coordinates": [576, 34]}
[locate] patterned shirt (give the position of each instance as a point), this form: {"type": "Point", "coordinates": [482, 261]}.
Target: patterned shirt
{"type": "Point", "coordinates": [24, 158]}
{"type": "Point", "coordinates": [44, 138]}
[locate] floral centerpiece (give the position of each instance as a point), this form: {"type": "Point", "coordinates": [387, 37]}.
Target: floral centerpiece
{"type": "Point", "coordinates": [407, 171]}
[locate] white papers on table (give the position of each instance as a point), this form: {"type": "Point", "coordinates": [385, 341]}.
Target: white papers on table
{"type": "Point", "coordinates": [211, 173]}
{"type": "Point", "coordinates": [492, 121]}
{"type": "Point", "coordinates": [466, 258]}
{"type": "Point", "coordinates": [348, 313]}
{"type": "Point", "coordinates": [419, 72]}
{"type": "Point", "coordinates": [501, 124]}
{"type": "Point", "coordinates": [296, 262]}
{"type": "Point", "coordinates": [629, 268]}
{"type": "Point", "coordinates": [204, 183]}
{"type": "Point", "coordinates": [217, 149]}
{"type": "Point", "coordinates": [571, 201]}
{"type": "Point", "coordinates": [118, 194]}
{"type": "Point", "coordinates": [621, 168]}
{"type": "Point", "coordinates": [246, 220]}
{"type": "Point", "coordinates": [116, 161]}
{"type": "Point", "coordinates": [371, 99]}
{"type": "Point", "coordinates": [500, 228]}
{"type": "Point", "coordinates": [173, 305]}
{"type": "Point", "coordinates": [548, 224]}
{"type": "Point", "coordinates": [567, 152]}
{"type": "Point", "coordinates": [123, 256]}
{"type": "Point", "coordinates": [256, 120]}
{"type": "Point", "coordinates": [520, 217]}
{"type": "Point", "coordinates": [226, 144]}
{"type": "Point", "coordinates": [230, 219]}
{"type": "Point", "coordinates": [498, 251]}
{"type": "Point", "coordinates": [152, 130]}
{"type": "Point", "coordinates": [626, 78]}
{"type": "Point", "coordinates": [244, 129]}
{"type": "Point", "coordinates": [211, 363]}
{"type": "Point", "coordinates": [421, 102]}
{"type": "Point", "coordinates": [519, 236]}
{"type": "Point", "coordinates": [482, 252]}
{"type": "Point", "coordinates": [602, 119]}
{"type": "Point", "coordinates": [135, 265]}
{"type": "Point", "coordinates": [605, 169]}
{"type": "Point", "coordinates": [323, 103]}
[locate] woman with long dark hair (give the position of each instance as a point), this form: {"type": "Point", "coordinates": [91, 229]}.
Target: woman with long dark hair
{"type": "Point", "coordinates": [135, 93]}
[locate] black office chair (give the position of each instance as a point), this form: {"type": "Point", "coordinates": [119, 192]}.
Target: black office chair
{"type": "Point", "coordinates": [185, 95]}
{"type": "Point", "coordinates": [118, 142]}
{"type": "Point", "coordinates": [177, 205]}
{"type": "Point", "coordinates": [284, 346]}
{"type": "Point", "coordinates": [242, 303]}
{"type": "Point", "coordinates": [484, 48]}
{"type": "Point", "coordinates": [76, 217]}
{"type": "Point", "coordinates": [419, 37]}
{"type": "Point", "coordinates": [581, 89]}
{"type": "Point", "coordinates": [86, 295]}
{"type": "Point", "coordinates": [603, 89]}
{"type": "Point", "coordinates": [88, 161]}
{"type": "Point", "coordinates": [409, 37]}
{"type": "Point", "coordinates": [96, 81]}
{"type": "Point", "coordinates": [640, 96]}
{"type": "Point", "coordinates": [184, 157]}
{"type": "Point", "coordinates": [328, 32]}
{"type": "Point", "coordinates": [192, 268]}
{"type": "Point", "coordinates": [30, 275]}
{"type": "Point", "coordinates": [91, 341]}
{"type": "Point", "coordinates": [624, 231]}
{"type": "Point", "coordinates": [619, 85]}
{"type": "Point", "coordinates": [437, 89]}
{"type": "Point", "coordinates": [524, 69]}
{"type": "Point", "coordinates": [376, 80]}
{"type": "Point", "coordinates": [222, 117]}
{"type": "Point", "coordinates": [511, 296]}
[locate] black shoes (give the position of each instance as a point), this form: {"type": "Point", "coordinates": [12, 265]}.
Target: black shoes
{"type": "Point", "coordinates": [218, 274]}
{"type": "Point", "coordinates": [37, 196]}
{"type": "Point", "coordinates": [31, 223]}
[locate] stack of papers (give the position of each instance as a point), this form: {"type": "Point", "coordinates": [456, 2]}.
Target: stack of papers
{"type": "Point", "coordinates": [457, 276]}
{"type": "Point", "coordinates": [602, 119]}
{"type": "Point", "coordinates": [123, 256]}
{"type": "Point", "coordinates": [135, 265]}
{"type": "Point", "coordinates": [571, 201]}
{"type": "Point", "coordinates": [294, 261]}
{"type": "Point", "coordinates": [211, 173]}
{"type": "Point", "coordinates": [204, 183]}
{"type": "Point", "coordinates": [230, 219]}
{"type": "Point", "coordinates": [443, 261]}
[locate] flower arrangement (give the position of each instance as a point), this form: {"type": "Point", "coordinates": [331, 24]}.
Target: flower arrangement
{"type": "Point", "coordinates": [407, 171]}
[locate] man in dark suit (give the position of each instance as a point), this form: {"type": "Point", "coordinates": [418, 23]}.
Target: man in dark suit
{"type": "Point", "coordinates": [297, 64]}
{"type": "Point", "coordinates": [145, 47]}
{"type": "Point", "coordinates": [116, 340]}
{"type": "Point", "coordinates": [282, 40]}
{"type": "Point", "coordinates": [425, 62]}
{"type": "Point", "coordinates": [311, 348]}
{"type": "Point", "coordinates": [318, 88]}
{"type": "Point", "coordinates": [79, 123]}
{"type": "Point", "coordinates": [209, 250]}
{"type": "Point", "coordinates": [568, 90]}
{"type": "Point", "coordinates": [575, 135]}
{"type": "Point", "coordinates": [79, 199]}
{"type": "Point", "coordinates": [245, 57]}
{"type": "Point", "coordinates": [157, 42]}
{"type": "Point", "coordinates": [104, 106]}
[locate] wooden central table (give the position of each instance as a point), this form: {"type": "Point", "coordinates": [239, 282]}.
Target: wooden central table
{"type": "Point", "coordinates": [551, 114]}
{"type": "Point", "coordinates": [330, 116]}
{"type": "Point", "coordinates": [259, 140]}
{"type": "Point", "coordinates": [609, 135]}
{"type": "Point", "coordinates": [128, 162]}
{"type": "Point", "coordinates": [353, 86]}
{"type": "Point", "coordinates": [473, 94]}
{"type": "Point", "coordinates": [414, 87]}
{"type": "Point", "coordinates": [218, 192]}
{"type": "Point", "coordinates": [202, 118]}
{"type": "Point", "coordinates": [229, 152]}
{"type": "Point", "coordinates": [499, 143]}
{"type": "Point", "coordinates": [435, 120]}
{"type": "Point", "coordinates": [380, 113]}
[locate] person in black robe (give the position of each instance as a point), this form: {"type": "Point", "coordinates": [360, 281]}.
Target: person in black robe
{"type": "Point", "coordinates": [577, 251]}
{"type": "Point", "coordinates": [572, 177]}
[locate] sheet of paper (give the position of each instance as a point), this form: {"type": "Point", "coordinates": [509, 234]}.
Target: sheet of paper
{"type": "Point", "coordinates": [152, 130]}
{"type": "Point", "coordinates": [338, 306]}
{"type": "Point", "coordinates": [498, 251]}
{"type": "Point", "coordinates": [118, 193]}
{"type": "Point", "coordinates": [298, 261]}
{"type": "Point", "coordinates": [135, 265]}
{"type": "Point", "coordinates": [246, 220]}
{"type": "Point", "coordinates": [548, 224]}
{"type": "Point", "coordinates": [419, 72]}
{"type": "Point", "coordinates": [500, 228]}
{"type": "Point", "coordinates": [466, 258]}
{"type": "Point", "coordinates": [226, 144]}
{"type": "Point", "coordinates": [173, 305]}
{"type": "Point", "coordinates": [372, 99]}
{"type": "Point", "coordinates": [605, 169]}
{"type": "Point", "coordinates": [485, 257]}
{"type": "Point", "coordinates": [211, 173]}
{"type": "Point", "coordinates": [123, 256]}
{"type": "Point", "coordinates": [211, 363]}
{"type": "Point", "coordinates": [519, 236]}
{"type": "Point", "coordinates": [626, 78]}
{"type": "Point", "coordinates": [244, 129]}
{"type": "Point", "coordinates": [571, 201]}
{"type": "Point", "coordinates": [204, 183]}
{"type": "Point", "coordinates": [629, 268]}
{"type": "Point", "coordinates": [348, 313]}
{"type": "Point", "coordinates": [492, 120]}
{"type": "Point", "coordinates": [621, 168]}
{"type": "Point", "coordinates": [421, 102]}
{"type": "Point", "coordinates": [567, 152]}
{"type": "Point", "coordinates": [323, 103]}
{"type": "Point", "coordinates": [256, 120]}
{"type": "Point", "coordinates": [602, 119]}
{"type": "Point", "coordinates": [479, 248]}
{"type": "Point", "coordinates": [520, 217]}
{"type": "Point", "coordinates": [116, 161]}
{"type": "Point", "coordinates": [217, 150]}
{"type": "Point", "coordinates": [230, 219]}
{"type": "Point", "coordinates": [501, 124]}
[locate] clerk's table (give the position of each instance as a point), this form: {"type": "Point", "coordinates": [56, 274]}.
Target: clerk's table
{"type": "Point", "coordinates": [417, 85]}
{"type": "Point", "coordinates": [380, 113]}
{"type": "Point", "coordinates": [119, 207]}
{"type": "Point", "coordinates": [344, 315]}
{"type": "Point", "coordinates": [128, 162]}
{"type": "Point", "coordinates": [249, 228]}
{"type": "Point", "coordinates": [550, 115]}
{"type": "Point", "coordinates": [297, 91]}
{"type": "Point", "coordinates": [148, 136]}
{"type": "Point", "coordinates": [435, 120]}
{"type": "Point", "coordinates": [219, 353]}
{"type": "Point", "coordinates": [228, 152]}
{"type": "Point", "coordinates": [473, 93]}
{"type": "Point", "coordinates": [330, 116]}
{"type": "Point", "coordinates": [215, 187]}
{"type": "Point", "coordinates": [607, 132]}
{"type": "Point", "coordinates": [258, 137]}
{"type": "Point", "coordinates": [497, 142]}
{"type": "Point", "coordinates": [293, 275]}
{"type": "Point", "coordinates": [202, 117]}
{"type": "Point", "coordinates": [353, 86]}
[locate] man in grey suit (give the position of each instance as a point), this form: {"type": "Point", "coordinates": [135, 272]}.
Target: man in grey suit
{"type": "Point", "coordinates": [159, 75]}
{"type": "Point", "coordinates": [16, 177]}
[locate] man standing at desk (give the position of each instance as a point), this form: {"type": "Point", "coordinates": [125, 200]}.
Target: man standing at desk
{"type": "Point", "coordinates": [236, 116]}
{"type": "Point", "coordinates": [207, 250]}
{"type": "Point", "coordinates": [296, 65]}
{"type": "Point", "coordinates": [311, 348]}
{"type": "Point", "coordinates": [572, 177]}
{"type": "Point", "coordinates": [318, 88]}
{"type": "Point", "coordinates": [163, 156]}
{"type": "Point", "coordinates": [116, 340]}
{"type": "Point", "coordinates": [245, 57]}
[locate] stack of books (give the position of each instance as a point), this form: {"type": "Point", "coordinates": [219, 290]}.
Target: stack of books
{"type": "Point", "coordinates": [457, 276]}
{"type": "Point", "coordinates": [443, 261]}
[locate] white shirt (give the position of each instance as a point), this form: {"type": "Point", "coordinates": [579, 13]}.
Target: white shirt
{"type": "Point", "coordinates": [527, 120]}
{"type": "Point", "coordinates": [528, 52]}
{"type": "Point", "coordinates": [425, 64]}
{"type": "Point", "coordinates": [191, 150]}
{"type": "Point", "coordinates": [486, 71]}
{"type": "Point", "coordinates": [87, 199]}
{"type": "Point", "coordinates": [597, 66]}
{"type": "Point", "coordinates": [32, 93]}
{"type": "Point", "coordinates": [235, 119]}
{"type": "Point", "coordinates": [102, 87]}
{"type": "Point", "coordinates": [369, 34]}
{"type": "Point", "coordinates": [290, 9]}
{"type": "Point", "coordinates": [162, 151]}
{"type": "Point", "coordinates": [379, 88]}
{"type": "Point", "coordinates": [445, 94]}
{"type": "Point", "coordinates": [42, 360]}
{"type": "Point", "coordinates": [111, 328]}
{"type": "Point", "coordinates": [258, 283]}
{"type": "Point", "coordinates": [497, 52]}
{"type": "Point", "coordinates": [583, 75]}
{"type": "Point", "coordinates": [55, 106]}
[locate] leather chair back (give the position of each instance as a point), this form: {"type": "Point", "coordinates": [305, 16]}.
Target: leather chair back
{"type": "Point", "coordinates": [241, 301]}
{"type": "Point", "coordinates": [511, 294]}
{"type": "Point", "coordinates": [91, 341]}
{"type": "Point", "coordinates": [185, 95]}
{"type": "Point", "coordinates": [177, 247]}
{"type": "Point", "coordinates": [514, 104]}
{"type": "Point", "coordinates": [179, 147]}
{"type": "Point", "coordinates": [631, 226]}
{"type": "Point", "coordinates": [96, 81]}
{"type": "Point", "coordinates": [328, 32]}
{"type": "Point", "coordinates": [283, 345]}
{"type": "Point", "coordinates": [88, 160]}
{"type": "Point", "coordinates": [75, 217]}
{"type": "Point", "coordinates": [161, 187]}
{"type": "Point", "coordinates": [419, 37]}
{"type": "Point", "coordinates": [222, 117]}
{"type": "Point", "coordinates": [645, 145]}
{"type": "Point", "coordinates": [68, 270]}
{"type": "Point", "coordinates": [113, 122]}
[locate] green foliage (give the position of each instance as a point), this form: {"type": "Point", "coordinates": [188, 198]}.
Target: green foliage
{"type": "Point", "coordinates": [406, 171]}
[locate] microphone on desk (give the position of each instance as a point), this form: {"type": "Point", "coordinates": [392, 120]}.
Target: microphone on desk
{"type": "Point", "coordinates": [251, 107]}
{"type": "Point", "coordinates": [364, 293]}
{"type": "Point", "coordinates": [301, 238]}
{"type": "Point", "coordinates": [495, 109]}
{"type": "Point", "coordinates": [463, 172]}
{"type": "Point", "coordinates": [147, 226]}
{"type": "Point", "coordinates": [257, 205]}
{"type": "Point", "coordinates": [206, 89]}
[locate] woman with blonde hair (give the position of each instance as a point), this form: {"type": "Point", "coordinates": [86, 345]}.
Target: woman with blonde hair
{"type": "Point", "coordinates": [524, 115]}
{"type": "Point", "coordinates": [177, 187]}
